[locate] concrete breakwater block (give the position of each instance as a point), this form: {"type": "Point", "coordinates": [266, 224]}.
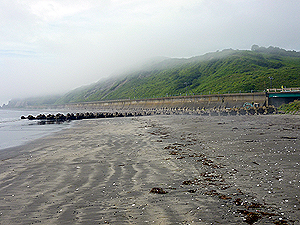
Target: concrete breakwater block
{"type": "Point", "coordinates": [59, 117]}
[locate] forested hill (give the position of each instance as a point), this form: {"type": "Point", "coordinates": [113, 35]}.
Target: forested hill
{"type": "Point", "coordinates": [219, 72]}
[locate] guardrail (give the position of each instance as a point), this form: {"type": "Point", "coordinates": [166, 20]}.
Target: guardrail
{"type": "Point", "coordinates": [283, 89]}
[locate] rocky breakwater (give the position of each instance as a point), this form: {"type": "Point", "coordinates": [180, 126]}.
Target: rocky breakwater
{"type": "Point", "coordinates": [238, 111]}
{"type": "Point", "coordinates": [216, 111]}
{"type": "Point", "coordinates": [60, 118]}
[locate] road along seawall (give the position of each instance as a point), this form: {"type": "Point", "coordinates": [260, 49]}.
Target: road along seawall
{"type": "Point", "coordinates": [188, 102]}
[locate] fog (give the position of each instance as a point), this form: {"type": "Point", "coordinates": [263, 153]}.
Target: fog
{"type": "Point", "coordinates": [53, 46]}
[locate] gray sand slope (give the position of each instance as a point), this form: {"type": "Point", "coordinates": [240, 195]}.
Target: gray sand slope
{"type": "Point", "coordinates": [212, 170]}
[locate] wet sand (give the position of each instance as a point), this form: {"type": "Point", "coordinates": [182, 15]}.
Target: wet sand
{"type": "Point", "coordinates": [212, 170]}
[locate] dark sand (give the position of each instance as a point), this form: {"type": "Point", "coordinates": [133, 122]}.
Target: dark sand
{"type": "Point", "coordinates": [216, 170]}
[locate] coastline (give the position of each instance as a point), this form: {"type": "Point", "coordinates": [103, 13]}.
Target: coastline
{"type": "Point", "coordinates": [101, 171]}
{"type": "Point", "coordinates": [15, 131]}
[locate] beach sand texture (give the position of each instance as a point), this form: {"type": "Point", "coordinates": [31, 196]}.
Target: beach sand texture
{"type": "Point", "coordinates": [211, 170]}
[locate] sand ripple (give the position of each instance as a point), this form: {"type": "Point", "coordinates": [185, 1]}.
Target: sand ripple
{"type": "Point", "coordinates": [214, 170]}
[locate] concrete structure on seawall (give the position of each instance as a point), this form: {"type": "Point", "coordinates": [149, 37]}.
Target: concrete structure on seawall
{"type": "Point", "coordinates": [193, 102]}
{"type": "Point", "coordinates": [277, 97]}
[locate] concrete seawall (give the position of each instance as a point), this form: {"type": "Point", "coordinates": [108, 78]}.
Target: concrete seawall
{"type": "Point", "coordinates": [205, 105]}
{"type": "Point", "coordinates": [191, 102]}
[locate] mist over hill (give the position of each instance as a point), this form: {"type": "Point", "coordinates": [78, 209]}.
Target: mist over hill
{"type": "Point", "coordinates": [218, 72]}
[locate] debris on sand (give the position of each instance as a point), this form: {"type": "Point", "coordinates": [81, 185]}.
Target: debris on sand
{"type": "Point", "coordinates": [157, 190]}
{"type": "Point", "coordinates": [252, 217]}
{"type": "Point", "coordinates": [224, 197]}
{"type": "Point", "coordinates": [255, 205]}
{"type": "Point", "coordinates": [238, 201]}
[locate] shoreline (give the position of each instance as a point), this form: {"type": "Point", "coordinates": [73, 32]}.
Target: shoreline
{"type": "Point", "coordinates": [14, 131]}
{"type": "Point", "coordinates": [26, 133]}
{"type": "Point", "coordinates": [230, 169]}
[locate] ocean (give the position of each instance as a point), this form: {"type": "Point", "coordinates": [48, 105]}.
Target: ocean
{"type": "Point", "coordinates": [14, 131]}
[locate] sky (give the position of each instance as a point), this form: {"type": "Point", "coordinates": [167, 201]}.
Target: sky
{"type": "Point", "coordinates": [54, 46]}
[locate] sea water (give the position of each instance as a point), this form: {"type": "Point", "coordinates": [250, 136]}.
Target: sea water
{"type": "Point", "coordinates": [15, 131]}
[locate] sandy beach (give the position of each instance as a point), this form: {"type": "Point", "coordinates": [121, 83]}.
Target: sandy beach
{"type": "Point", "coordinates": [179, 169]}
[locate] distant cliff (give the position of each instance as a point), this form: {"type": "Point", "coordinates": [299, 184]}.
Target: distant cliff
{"type": "Point", "coordinates": [31, 102]}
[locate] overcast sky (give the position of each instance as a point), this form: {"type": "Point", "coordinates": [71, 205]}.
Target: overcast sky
{"type": "Point", "coordinates": [53, 46]}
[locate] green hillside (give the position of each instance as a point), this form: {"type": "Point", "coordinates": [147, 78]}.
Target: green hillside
{"type": "Point", "coordinates": [219, 72]}
{"type": "Point", "coordinates": [227, 71]}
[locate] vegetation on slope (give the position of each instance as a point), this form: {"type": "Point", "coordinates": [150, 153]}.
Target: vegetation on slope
{"type": "Point", "coordinates": [292, 107]}
{"type": "Point", "coordinates": [219, 72]}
